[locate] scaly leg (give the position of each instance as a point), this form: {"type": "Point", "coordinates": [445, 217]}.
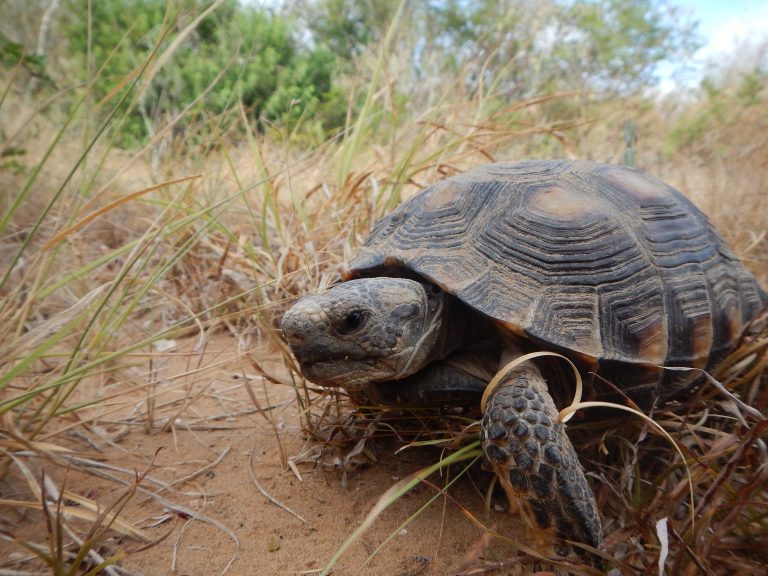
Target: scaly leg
{"type": "Point", "coordinates": [534, 459]}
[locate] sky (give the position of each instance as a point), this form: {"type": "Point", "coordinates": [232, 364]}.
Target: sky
{"type": "Point", "coordinates": [723, 26]}
{"type": "Point", "coordinates": [723, 23]}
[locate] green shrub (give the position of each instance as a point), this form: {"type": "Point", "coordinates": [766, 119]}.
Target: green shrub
{"type": "Point", "coordinates": [751, 87]}
{"type": "Point", "coordinates": [236, 53]}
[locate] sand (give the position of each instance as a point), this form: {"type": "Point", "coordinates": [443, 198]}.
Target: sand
{"type": "Point", "coordinates": [209, 441]}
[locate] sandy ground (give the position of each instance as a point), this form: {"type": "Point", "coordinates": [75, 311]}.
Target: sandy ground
{"type": "Point", "coordinates": [209, 442]}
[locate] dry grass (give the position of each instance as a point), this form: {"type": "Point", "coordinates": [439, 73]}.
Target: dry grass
{"type": "Point", "coordinates": [137, 249]}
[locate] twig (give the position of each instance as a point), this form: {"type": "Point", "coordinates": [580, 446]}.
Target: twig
{"type": "Point", "coordinates": [199, 471]}
{"type": "Point", "coordinates": [266, 494]}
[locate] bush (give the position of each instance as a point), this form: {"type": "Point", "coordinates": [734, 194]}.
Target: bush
{"type": "Point", "coordinates": [236, 53]}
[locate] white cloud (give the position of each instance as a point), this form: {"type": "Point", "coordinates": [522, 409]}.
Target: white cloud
{"type": "Point", "coordinates": [735, 34]}
{"type": "Point", "coordinates": [724, 37]}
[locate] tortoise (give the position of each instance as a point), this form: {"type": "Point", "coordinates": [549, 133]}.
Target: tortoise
{"type": "Point", "coordinates": [602, 263]}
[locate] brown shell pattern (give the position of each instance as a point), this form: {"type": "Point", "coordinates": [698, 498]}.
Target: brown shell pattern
{"type": "Point", "coordinates": [601, 260]}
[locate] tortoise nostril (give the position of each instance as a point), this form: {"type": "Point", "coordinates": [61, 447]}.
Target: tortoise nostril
{"type": "Point", "coordinates": [290, 329]}
{"type": "Point", "coordinates": [293, 337]}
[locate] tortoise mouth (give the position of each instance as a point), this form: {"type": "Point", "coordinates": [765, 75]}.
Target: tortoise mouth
{"type": "Point", "coordinates": [343, 370]}
{"type": "Point", "coordinates": [330, 363]}
{"type": "Point", "coordinates": [315, 353]}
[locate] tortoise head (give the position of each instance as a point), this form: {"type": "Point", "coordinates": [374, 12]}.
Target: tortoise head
{"type": "Point", "coordinates": [367, 330]}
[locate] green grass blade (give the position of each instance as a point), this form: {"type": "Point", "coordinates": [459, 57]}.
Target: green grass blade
{"type": "Point", "coordinates": [394, 493]}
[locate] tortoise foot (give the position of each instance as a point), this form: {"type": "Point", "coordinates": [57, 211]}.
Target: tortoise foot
{"type": "Point", "coordinates": [536, 462]}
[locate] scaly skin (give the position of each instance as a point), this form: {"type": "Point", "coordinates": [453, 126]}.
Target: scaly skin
{"type": "Point", "coordinates": [535, 460]}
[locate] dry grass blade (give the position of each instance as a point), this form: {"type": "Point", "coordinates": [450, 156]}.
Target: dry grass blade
{"type": "Point", "coordinates": [741, 405]}
{"type": "Point", "coordinates": [59, 237]}
{"type": "Point", "coordinates": [496, 380]}
{"type": "Point", "coordinates": [188, 513]}
{"type": "Point", "coordinates": [45, 335]}
{"type": "Point", "coordinates": [576, 406]}
{"type": "Point", "coordinates": [34, 446]}
{"type": "Point", "coordinates": [100, 518]}
{"type": "Point", "coordinates": [91, 513]}
{"type": "Point", "coordinates": [350, 147]}
{"type": "Point", "coordinates": [167, 54]}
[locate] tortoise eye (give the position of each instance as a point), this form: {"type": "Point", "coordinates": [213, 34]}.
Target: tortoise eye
{"type": "Point", "coordinates": [352, 322]}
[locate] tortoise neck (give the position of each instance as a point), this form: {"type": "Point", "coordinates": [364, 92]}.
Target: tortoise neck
{"type": "Point", "coordinates": [462, 328]}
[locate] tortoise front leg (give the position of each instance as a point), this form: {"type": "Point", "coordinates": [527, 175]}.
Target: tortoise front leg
{"type": "Point", "coordinates": [534, 459]}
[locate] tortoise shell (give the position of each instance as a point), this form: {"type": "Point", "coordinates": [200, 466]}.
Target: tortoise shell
{"type": "Point", "coordinates": [601, 262]}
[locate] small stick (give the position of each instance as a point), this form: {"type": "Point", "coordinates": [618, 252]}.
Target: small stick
{"type": "Point", "coordinates": [267, 495]}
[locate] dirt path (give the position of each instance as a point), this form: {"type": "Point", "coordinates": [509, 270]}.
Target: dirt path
{"type": "Point", "coordinates": [273, 541]}
{"type": "Point", "coordinates": [208, 438]}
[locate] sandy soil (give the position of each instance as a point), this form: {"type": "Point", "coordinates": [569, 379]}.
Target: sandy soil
{"type": "Point", "coordinates": [209, 442]}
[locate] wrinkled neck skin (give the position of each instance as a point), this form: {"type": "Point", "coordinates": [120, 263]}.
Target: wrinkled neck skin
{"type": "Point", "coordinates": [454, 371]}
{"type": "Point", "coordinates": [462, 329]}
{"type": "Point", "coordinates": [431, 342]}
